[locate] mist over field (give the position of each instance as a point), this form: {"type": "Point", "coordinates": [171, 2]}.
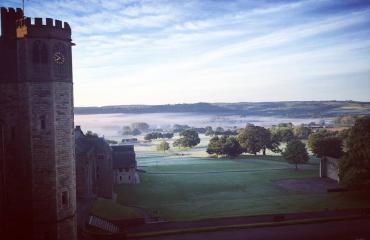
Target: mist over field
{"type": "Point", "coordinates": [109, 125]}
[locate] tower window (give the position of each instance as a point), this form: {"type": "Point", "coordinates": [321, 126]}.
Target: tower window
{"type": "Point", "coordinates": [42, 122]}
{"type": "Point", "coordinates": [65, 199]}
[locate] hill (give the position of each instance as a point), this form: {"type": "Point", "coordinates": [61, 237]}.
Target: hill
{"type": "Point", "coordinates": [299, 109]}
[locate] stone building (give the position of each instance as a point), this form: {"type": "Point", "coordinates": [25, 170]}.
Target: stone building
{"type": "Point", "coordinates": [94, 170]}
{"type": "Point", "coordinates": [37, 166]}
{"type": "Point", "coordinates": [329, 168]}
{"type": "Point", "coordinates": [124, 165]}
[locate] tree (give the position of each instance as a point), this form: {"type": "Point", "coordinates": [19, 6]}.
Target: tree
{"type": "Point", "coordinates": [295, 153]}
{"type": "Point", "coordinates": [188, 138]}
{"type": "Point", "coordinates": [302, 132]}
{"type": "Point", "coordinates": [319, 146]}
{"type": "Point", "coordinates": [126, 130]}
{"type": "Point", "coordinates": [219, 129]}
{"type": "Point", "coordinates": [135, 132]}
{"type": "Point", "coordinates": [253, 139]}
{"type": "Point", "coordinates": [209, 131]}
{"type": "Point", "coordinates": [163, 146]}
{"type": "Point", "coordinates": [328, 147]}
{"type": "Point", "coordinates": [282, 134]}
{"type": "Point", "coordinates": [215, 146]}
{"type": "Point", "coordinates": [344, 121]}
{"type": "Point", "coordinates": [178, 128]}
{"type": "Point", "coordinates": [225, 145]}
{"type": "Point", "coordinates": [167, 135]}
{"type": "Point", "coordinates": [90, 133]}
{"type": "Point", "coordinates": [354, 166]}
{"type": "Point", "coordinates": [156, 135]}
{"type": "Point", "coordinates": [231, 147]}
{"type": "Point", "coordinates": [130, 131]}
{"type": "Point", "coordinates": [142, 126]}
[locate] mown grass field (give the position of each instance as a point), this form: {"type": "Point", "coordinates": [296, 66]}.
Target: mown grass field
{"type": "Point", "coordinates": [188, 188]}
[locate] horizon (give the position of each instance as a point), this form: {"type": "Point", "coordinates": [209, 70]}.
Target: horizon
{"type": "Point", "coordinates": [185, 103]}
{"type": "Point", "coordinates": [173, 52]}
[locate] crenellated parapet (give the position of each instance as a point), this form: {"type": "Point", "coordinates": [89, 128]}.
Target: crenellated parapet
{"type": "Point", "coordinates": [9, 18]}
{"type": "Point", "coordinates": [40, 28]}
{"type": "Point", "coordinates": [15, 24]}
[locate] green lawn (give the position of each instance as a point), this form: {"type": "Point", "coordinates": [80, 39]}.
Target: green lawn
{"type": "Point", "coordinates": [108, 209]}
{"type": "Point", "coordinates": [185, 196]}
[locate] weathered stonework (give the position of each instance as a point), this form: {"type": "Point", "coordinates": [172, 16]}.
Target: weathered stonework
{"type": "Point", "coordinates": [37, 166]}
{"type": "Point", "coordinates": [329, 168]}
{"type": "Point", "coordinates": [94, 171]}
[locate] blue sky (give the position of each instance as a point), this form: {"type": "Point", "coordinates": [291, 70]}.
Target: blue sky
{"type": "Point", "coordinates": [168, 51]}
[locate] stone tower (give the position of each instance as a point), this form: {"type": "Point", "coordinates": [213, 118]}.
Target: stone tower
{"type": "Point", "coordinates": [37, 166]}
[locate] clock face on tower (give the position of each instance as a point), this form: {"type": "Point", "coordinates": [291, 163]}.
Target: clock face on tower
{"type": "Point", "coordinates": [58, 58]}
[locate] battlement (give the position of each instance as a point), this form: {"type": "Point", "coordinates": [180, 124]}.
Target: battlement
{"type": "Point", "coordinates": [49, 23]}
{"type": "Point", "coordinates": [9, 17]}
{"type": "Point", "coordinates": [15, 24]}
{"type": "Point", "coordinates": [11, 12]}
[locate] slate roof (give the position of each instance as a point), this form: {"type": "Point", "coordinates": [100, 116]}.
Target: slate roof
{"type": "Point", "coordinates": [85, 144]}
{"type": "Point", "coordinates": [123, 156]}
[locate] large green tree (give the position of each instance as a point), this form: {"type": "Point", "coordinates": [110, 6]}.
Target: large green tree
{"type": "Point", "coordinates": [231, 147]}
{"type": "Point", "coordinates": [215, 146]}
{"type": "Point", "coordinates": [325, 143]}
{"type": "Point", "coordinates": [354, 166]}
{"type": "Point", "coordinates": [295, 153]}
{"type": "Point", "coordinates": [188, 138]}
{"type": "Point", "coordinates": [224, 145]}
{"type": "Point", "coordinates": [253, 139]}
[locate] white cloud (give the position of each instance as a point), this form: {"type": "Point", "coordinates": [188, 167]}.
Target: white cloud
{"type": "Point", "coordinates": [210, 50]}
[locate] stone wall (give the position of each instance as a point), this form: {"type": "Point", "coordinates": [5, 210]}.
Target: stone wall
{"type": "Point", "coordinates": [94, 170]}
{"type": "Point", "coordinates": [126, 175]}
{"type": "Point", "coordinates": [36, 110]}
{"type": "Point", "coordinates": [329, 168]}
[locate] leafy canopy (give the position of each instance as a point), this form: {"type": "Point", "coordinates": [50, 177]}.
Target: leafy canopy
{"type": "Point", "coordinates": [188, 138]}
{"type": "Point", "coordinates": [295, 153]}
{"type": "Point", "coordinates": [354, 166]}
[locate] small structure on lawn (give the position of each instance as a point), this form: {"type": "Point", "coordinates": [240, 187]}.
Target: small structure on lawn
{"type": "Point", "coordinates": [124, 165]}
{"type": "Point", "coordinates": [329, 168]}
